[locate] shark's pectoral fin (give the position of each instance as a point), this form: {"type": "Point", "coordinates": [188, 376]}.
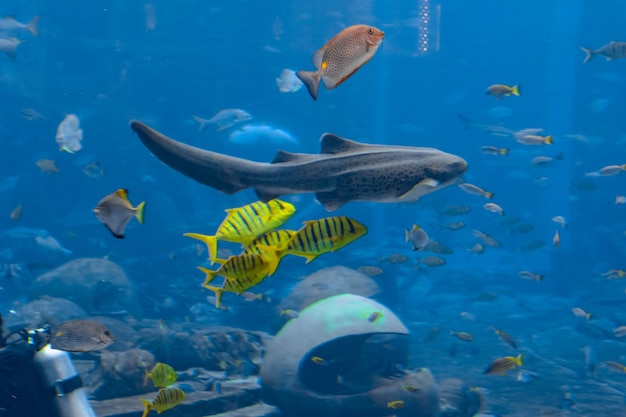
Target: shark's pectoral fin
{"type": "Point", "coordinates": [330, 200]}
{"type": "Point", "coordinates": [419, 189]}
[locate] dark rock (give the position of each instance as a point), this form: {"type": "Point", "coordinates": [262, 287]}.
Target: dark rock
{"type": "Point", "coordinates": [456, 399]}
{"type": "Point", "coordinates": [98, 285]}
{"type": "Point", "coordinates": [238, 397]}
{"type": "Point", "coordinates": [216, 348]}
{"type": "Point", "coordinates": [46, 310]}
{"type": "Point", "coordinates": [120, 374]}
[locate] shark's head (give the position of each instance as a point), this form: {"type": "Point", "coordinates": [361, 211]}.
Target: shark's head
{"type": "Point", "coordinates": [445, 167]}
{"type": "Point", "coordinates": [434, 170]}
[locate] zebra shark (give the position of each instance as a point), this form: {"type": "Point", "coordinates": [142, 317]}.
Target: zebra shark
{"type": "Point", "coordinates": [343, 171]}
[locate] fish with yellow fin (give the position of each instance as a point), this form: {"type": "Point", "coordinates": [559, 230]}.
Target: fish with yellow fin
{"type": "Point", "coordinates": [317, 237]}
{"type": "Point", "coordinates": [502, 365]}
{"type": "Point", "coordinates": [242, 272]}
{"type": "Point", "coordinates": [162, 375]}
{"type": "Point", "coordinates": [503, 90]}
{"type": "Point", "coordinates": [166, 399]}
{"type": "Point", "coordinates": [396, 405]}
{"type": "Point", "coordinates": [244, 224]}
{"type": "Point", "coordinates": [115, 211]}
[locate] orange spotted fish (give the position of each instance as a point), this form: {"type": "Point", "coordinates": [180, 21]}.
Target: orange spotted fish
{"type": "Point", "coordinates": [341, 57]}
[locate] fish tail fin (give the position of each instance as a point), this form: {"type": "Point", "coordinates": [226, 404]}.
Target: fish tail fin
{"type": "Point", "coordinates": [32, 26]}
{"type": "Point", "coordinates": [201, 121]}
{"type": "Point", "coordinates": [312, 81]}
{"type": "Point", "coordinates": [218, 294]}
{"type": "Point", "coordinates": [489, 194]}
{"type": "Point", "coordinates": [210, 275]}
{"type": "Point", "coordinates": [139, 210]}
{"type": "Point", "coordinates": [590, 54]}
{"type": "Point", "coordinates": [515, 90]}
{"type": "Point", "coordinates": [148, 407]}
{"type": "Point", "coordinates": [407, 235]}
{"type": "Point", "coordinates": [549, 139]}
{"type": "Point", "coordinates": [210, 241]}
{"type": "Point", "coordinates": [66, 149]}
{"type": "Point", "coordinates": [504, 151]}
{"type": "Point", "coordinates": [518, 360]}
{"type": "Point", "coordinates": [623, 166]}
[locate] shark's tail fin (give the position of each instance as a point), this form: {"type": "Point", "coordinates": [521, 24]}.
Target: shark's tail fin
{"type": "Point", "coordinates": [222, 172]}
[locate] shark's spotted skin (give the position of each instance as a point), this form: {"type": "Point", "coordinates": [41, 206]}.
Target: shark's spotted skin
{"type": "Point", "coordinates": [343, 171]}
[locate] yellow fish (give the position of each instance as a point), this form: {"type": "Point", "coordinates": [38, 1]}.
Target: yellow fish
{"type": "Point", "coordinates": [501, 365]}
{"type": "Point", "coordinates": [317, 237]}
{"type": "Point", "coordinates": [395, 404]}
{"type": "Point", "coordinates": [501, 90]}
{"type": "Point", "coordinates": [166, 398]}
{"type": "Point", "coordinates": [242, 272]}
{"type": "Point", "coordinates": [341, 57]}
{"type": "Point", "coordinates": [318, 360]}
{"type": "Point", "coordinates": [277, 239]}
{"type": "Point", "coordinates": [244, 224]}
{"type": "Point", "coordinates": [162, 375]}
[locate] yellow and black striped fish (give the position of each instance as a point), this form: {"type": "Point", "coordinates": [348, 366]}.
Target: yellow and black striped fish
{"type": "Point", "coordinates": [162, 375]}
{"type": "Point", "coordinates": [166, 398]}
{"type": "Point", "coordinates": [325, 235]}
{"type": "Point", "coordinates": [242, 272]}
{"type": "Point", "coordinates": [244, 224]}
{"type": "Point", "coordinates": [278, 239]}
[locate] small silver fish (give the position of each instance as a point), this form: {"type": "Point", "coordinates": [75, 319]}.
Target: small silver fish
{"type": "Point", "coordinates": [9, 24]}
{"type": "Point", "coordinates": [475, 190]}
{"type": "Point", "coordinates": [417, 236]}
{"type": "Point", "coordinates": [612, 50]}
{"type": "Point", "coordinates": [493, 150]}
{"type": "Point", "coordinates": [535, 139]}
{"type": "Point", "coordinates": [494, 208]}
{"type": "Point", "coordinates": [9, 46]}
{"type": "Point", "coordinates": [80, 336]}
{"type": "Point", "coordinates": [224, 119]}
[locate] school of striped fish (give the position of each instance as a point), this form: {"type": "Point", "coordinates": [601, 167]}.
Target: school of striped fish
{"type": "Point", "coordinates": [254, 226]}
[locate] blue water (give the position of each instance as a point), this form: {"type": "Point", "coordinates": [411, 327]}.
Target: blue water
{"type": "Point", "coordinates": [162, 62]}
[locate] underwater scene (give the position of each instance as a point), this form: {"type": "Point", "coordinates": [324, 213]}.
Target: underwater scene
{"type": "Point", "coordinates": [328, 208]}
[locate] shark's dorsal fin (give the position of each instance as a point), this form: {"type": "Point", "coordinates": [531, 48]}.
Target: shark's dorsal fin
{"type": "Point", "coordinates": [284, 156]}
{"type": "Point", "coordinates": [334, 144]}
